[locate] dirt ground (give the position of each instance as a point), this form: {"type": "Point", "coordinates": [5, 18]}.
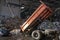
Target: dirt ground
{"type": "Point", "coordinates": [17, 37]}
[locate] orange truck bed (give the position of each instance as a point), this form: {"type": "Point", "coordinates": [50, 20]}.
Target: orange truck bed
{"type": "Point", "coordinates": [42, 12]}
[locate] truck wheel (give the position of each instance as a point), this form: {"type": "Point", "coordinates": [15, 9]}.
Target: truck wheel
{"type": "Point", "coordinates": [36, 34]}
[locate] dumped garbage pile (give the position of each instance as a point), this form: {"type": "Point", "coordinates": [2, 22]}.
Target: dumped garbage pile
{"type": "Point", "coordinates": [10, 23]}
{"type": "Point", "coordinates": [50, 25]}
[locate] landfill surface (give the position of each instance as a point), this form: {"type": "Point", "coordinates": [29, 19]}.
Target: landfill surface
{"type": "Point", "coordinates": [14, 23]}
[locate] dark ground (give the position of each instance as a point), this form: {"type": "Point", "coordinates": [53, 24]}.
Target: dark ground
{"type": "Point", "coordinates": [16, 37]}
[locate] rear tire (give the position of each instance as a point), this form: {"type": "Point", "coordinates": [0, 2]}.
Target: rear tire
{"type": "Point", "coordinates": [36, 34]}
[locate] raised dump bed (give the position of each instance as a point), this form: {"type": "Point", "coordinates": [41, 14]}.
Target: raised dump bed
{"type": "Point", "coordinates": [40, 14]}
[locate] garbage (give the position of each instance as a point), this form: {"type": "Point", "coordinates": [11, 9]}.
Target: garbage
{"type": "Point", "coordinates": [15, 31]}
{"type": "Point", "coordinates": [4, 32]}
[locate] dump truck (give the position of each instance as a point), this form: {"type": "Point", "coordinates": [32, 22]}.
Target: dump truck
{"type": "Point", "coordinates": [38, 16]}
